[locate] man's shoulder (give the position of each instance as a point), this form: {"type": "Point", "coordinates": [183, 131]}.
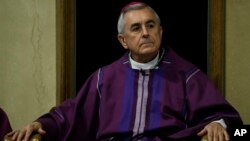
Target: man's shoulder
{"type": "Point", "coordinates": [120, 62]}
{"type": "Point", "coordinates": [177, 61]}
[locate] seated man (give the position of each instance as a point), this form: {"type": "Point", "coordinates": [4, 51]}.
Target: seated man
{"type": "Point", "coordinates": [5, 126]}
{"type": "Point", "coordinates": [150, 93]}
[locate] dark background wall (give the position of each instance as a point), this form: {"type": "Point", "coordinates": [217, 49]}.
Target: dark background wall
{"type": "Point", "coordinates": [184, 23]}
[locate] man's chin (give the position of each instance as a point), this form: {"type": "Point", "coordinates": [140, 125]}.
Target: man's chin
{"type": "Point", "coordinates": [147, 45]}
{"type": "Point", "coordinates": [148, 51]}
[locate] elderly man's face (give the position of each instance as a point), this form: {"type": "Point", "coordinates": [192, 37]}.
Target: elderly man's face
{"type": "Point", "coordinates": [142, 34]}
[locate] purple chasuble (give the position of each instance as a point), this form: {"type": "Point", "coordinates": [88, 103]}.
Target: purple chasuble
{"type": "Point", "coordinates": [5, 126]}
{"type": "Point", "coordinates": [175, 100]}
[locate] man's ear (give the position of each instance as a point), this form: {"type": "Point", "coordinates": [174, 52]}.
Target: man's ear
{"type": "Point", "coordinates": [122, 40]}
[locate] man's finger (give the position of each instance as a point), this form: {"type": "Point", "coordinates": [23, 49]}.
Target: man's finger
{"type": "Point", "coordinates": [20, 135]}
{"type": "Point", "coordinates": [41, 131]}
{"type": "Point", "coordinates": [227, 138]}
{"type": "Point", "coordinates": [202, 132]}
{"type": "Point", "coordinates": [27, 135]}
{"type": "Point", "coordinates": [14, 134]}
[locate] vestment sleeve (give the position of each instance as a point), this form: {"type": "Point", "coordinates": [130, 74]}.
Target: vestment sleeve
{"type": "Point", "coordinates": [206, 104]}
{"type": "Point", "coordinates": [79, 114]}
{"type": "Point", "coordinates": [5, 126]}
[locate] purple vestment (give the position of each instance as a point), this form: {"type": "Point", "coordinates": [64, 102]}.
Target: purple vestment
{"type": "Point", "coordinates": [174, 100]}
{"type": "Point", "coordinates": [5, 126]}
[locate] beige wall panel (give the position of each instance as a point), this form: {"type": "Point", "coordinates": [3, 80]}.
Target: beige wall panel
{"type": "Point", "coordinates": [27, 59]}
{"type": "Point", "coordinates": [238, 56]}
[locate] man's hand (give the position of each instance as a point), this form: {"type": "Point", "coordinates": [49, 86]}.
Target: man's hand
{"type": "Point", "coordinates": [24, 134]}
{"type": "Point", "coordinates": [214, 132]}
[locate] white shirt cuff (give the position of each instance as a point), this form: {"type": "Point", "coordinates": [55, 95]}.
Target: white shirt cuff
{"type": "Point", "coordinates": [222, 123]}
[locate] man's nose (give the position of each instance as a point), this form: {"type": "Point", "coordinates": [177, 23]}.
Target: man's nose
{"type": "Point", "coordinates": [144, 31]}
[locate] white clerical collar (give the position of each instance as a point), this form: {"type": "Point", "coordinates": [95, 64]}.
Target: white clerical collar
{"type": "Point", "coordinates": [144, 66]}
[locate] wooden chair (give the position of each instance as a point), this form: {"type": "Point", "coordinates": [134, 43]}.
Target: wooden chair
{"type": "Point", "coordinates": [37, 137]}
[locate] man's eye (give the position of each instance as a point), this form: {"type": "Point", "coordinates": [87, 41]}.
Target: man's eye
{"type": "Point", "coordinates": [135, 28]}
{"type": "Point", "coordinates": [151, 25]}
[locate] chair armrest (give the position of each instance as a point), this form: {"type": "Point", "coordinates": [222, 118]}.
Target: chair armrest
{"type": "Point", "coordinates": [38, 137]}
{"type": "Point", "coordinates": [204, 138]}
{"type": "Point", "coordinates": [35, 137]}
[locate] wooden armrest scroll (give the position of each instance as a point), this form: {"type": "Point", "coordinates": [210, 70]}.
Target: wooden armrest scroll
{"type": "Point", "coordinates": [204, 138]}
{"type": "Point", "coordinates": [35, 137]}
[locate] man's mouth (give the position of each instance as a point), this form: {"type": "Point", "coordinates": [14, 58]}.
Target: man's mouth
{"type": "Point", "coordinates": [146, 43]}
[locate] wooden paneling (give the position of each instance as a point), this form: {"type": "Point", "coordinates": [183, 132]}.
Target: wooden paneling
{"type": "Point", "coordinates": [65, 36]}
{"type": "Point", "coordinates": [216, 43]}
